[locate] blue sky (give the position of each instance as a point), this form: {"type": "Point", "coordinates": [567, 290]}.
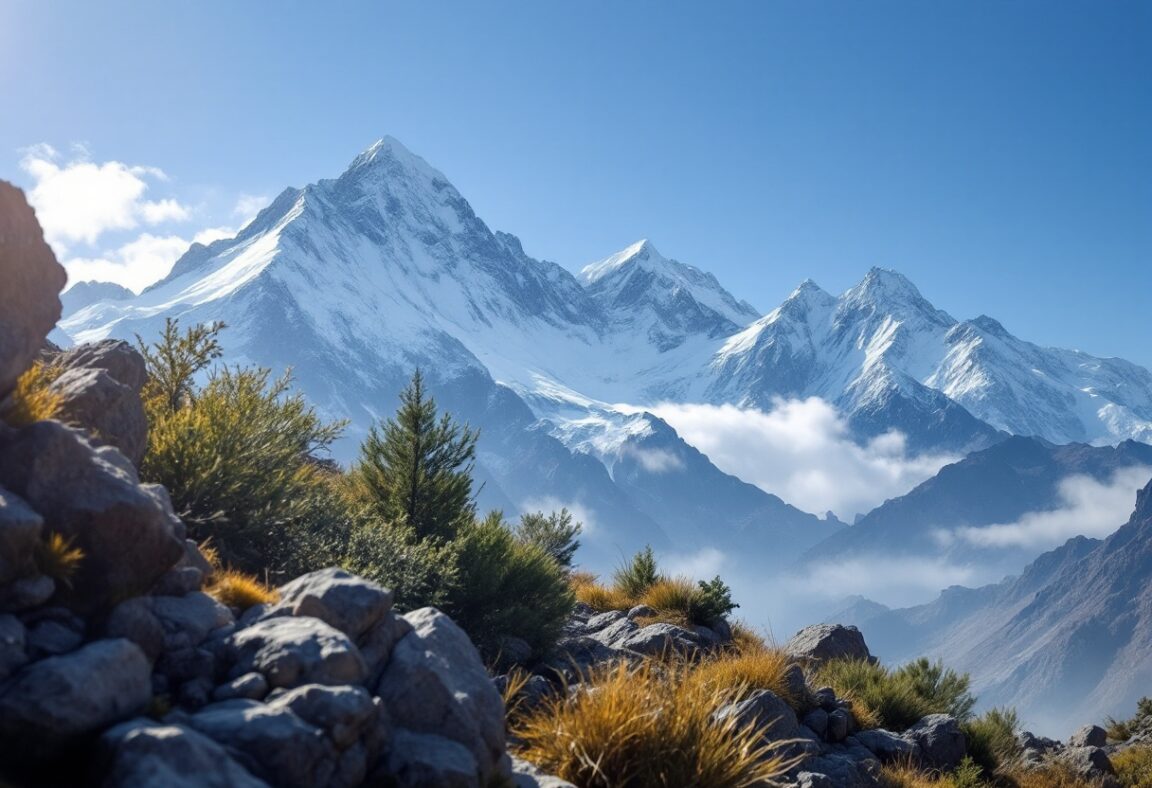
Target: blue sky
{"type": "Point", "coordinates": [998, 153]}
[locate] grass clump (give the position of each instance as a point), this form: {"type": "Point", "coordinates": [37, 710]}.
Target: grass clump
{"type": "Point", "coordinates": [646, 727]}
{"type": "Point", "coordinates": [763, 668]}
{"type": "Point", "coordinates": [33, 399]}
{"type": "Point", "coordinates": [240, 590]}
{"type": "Point", "coordinates": [992, 738]}
{"type": "Point", "coordinates": [897, 699]}
{"type": "Point", "coordinates": [1053, 774]}
{"type": "Point", "coordinates": [1141, 722]}
{"type": "Point", "coordinates": [601, 598]}
{"type": "Point", "coordinates": [636, 576]}
{"type": "Point", "coordinates": [906, 774]}
{"type": "Point", "coordinates": [1134, 766]}
{"type": "Point", "coordinates": [58, 558]}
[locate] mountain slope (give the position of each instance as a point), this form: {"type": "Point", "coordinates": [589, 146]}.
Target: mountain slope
{"type": "Point", "coordinates": [943, 517]}
{"type": "Point", "coordinates": [1069, 640]}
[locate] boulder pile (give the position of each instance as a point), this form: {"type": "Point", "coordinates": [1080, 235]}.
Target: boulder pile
{"type": "Point", "coordinates": [117, 669]}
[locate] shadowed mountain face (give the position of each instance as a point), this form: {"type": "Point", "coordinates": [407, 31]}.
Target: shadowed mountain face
{"type": "Point", "coordinates": [1068, 640]}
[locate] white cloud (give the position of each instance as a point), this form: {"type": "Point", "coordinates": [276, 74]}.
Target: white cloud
{"type": "Point", "coordinates": [802, 451]}
{"type": "Point", "coordinates": [895, 581]}
{"type": "Point", "coordinates": [1087, 508]}
{"type": "Point", "coordinates": [701, 565]}
{"type": "Point", "coordinates": [80, 200]}
{"type": "Point", "coordinates": [655, 460]}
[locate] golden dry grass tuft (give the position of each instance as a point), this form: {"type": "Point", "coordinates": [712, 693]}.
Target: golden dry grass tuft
{"type": "Point", "coordinates": [602, 598]}
{"type": "Point", "coordinates": [1053, 774]}
{"type": "Point", "coordinates": [675, 598]}
{"type": "Point", "coordinates": [33, 399]}
{"type": "Point", "coordinates": [58, 558]}
{"type": "Point", "coordinates": [240, 590]}
{"type": "Point", "coordinates": [1134, 766]}
{"type": "Point", "coordinates": [746, 671]}
{"type": "Point", "coordinates": [646, 727]}
{"type": "Point", "coordinates": [905, 774]}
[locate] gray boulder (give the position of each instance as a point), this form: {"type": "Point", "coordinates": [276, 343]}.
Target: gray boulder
{"type": "Point", "coordinates": [346, 714]}
{"type": "Point", "coordinates": [376, 645]}
{"type": "Point", "coordinates": [344, 601]}
{"type": "Point", "coordinates": [839, 724]}
{"type": "Point", "coordinates": [942, 744]}
{"type": "Point", "coordinates": [52, 638]}
{"type": "Point", "coordinates": [425, 760]}
{"type": "Point", "coordinates": [817, 721]}
{"type": "Point", "coordinates": [615, 633]}
{"type": "Point", "coordinates": [20, 529]}
{"type": "Point", "coordinates": [27, 593]}
{"type": "Point", "coordinates": [134, 620]}
{"type": "Point", "coordinates": [110, 412]}
{"type": "Point", "coordinates": [252, 686]}
{"type": "Point", "coordinates": [143, 752]}
{"type": "Point", "coordinates": [294, 651]}
{"type": "Point", "coordinates": [656, 639]}
{"type": "Point", "coordinates": [843, 770]}
{"type": "Point", "coordinates": [13, 645]}
{"type": "Point", "coordinates": [115, 356]}
{"type": "Point", "coordinates": [765, 710]}
{"type": "Point", "coordinates": [1091, 763]}
{"type": "Point", "coordinates": [30, 297]}
{"type": "Point", "coordinates": [272, 743]}
{"type": "Point", "coordinates": [436, 684]}
{"type": "Point", "coordinates": [602, 620]}
{"type": "Point", "coordinates": [888, 746]}
{"type": "Point", "coordinates": [188, 620]}
{"type": "Point", "coordinates": [821, 642]}
{"type": "Point", "coordinates": [1088, 736]}
{"type": "Point", "coordinates": [127, 531]}
{"type": "Point", "coordinates": [52, 702]}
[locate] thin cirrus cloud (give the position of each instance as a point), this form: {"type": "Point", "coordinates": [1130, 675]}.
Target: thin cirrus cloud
{"type": "Point", "coordinates": [802, 451]}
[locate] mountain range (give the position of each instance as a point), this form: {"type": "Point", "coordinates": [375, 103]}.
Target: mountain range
{"type": "Point", "coordinates": [355, 281]}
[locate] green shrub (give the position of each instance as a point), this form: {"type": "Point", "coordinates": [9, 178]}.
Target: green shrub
{"type": "Point", "coordinates": [943, 689]}
{"type": "Point", "coordinates": [967, 775]}
{"type": "Point", "coordinates": [507, 588]}
{"type": "Point", "coordinates": [555, 534]}
{"type": "Point", "coordinates": [238, 455]}
{"type": "Point", "coordinates": [717, 600]}
{"type": "Point", "coordinates": [636, 576]}
{"type": "Point", "coordinates": [992, 738]}
{"type": "Point", "coordinates": [419, 573]}
{"type": "Point", "coordinates": [897, 699]}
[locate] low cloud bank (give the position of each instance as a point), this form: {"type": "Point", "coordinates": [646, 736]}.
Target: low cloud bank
{"type": "Point", "coordinates": [802, 451]}
{"type": "Point", "coordinates": [1087, 507]}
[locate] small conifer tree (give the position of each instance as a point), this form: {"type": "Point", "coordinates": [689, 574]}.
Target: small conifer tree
{"type": "Point", "coordinates": [555, 534]}
{"type": "Point", "coordinates": [416, 468]}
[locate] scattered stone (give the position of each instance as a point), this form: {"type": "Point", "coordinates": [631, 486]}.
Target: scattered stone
{"type": "Point", "coordinates": [888, 746]}
{"type": "Point", "coordinates": [344, 601]}
{"type": "Point", "coordinates": [821, 642]}
{"type": "Point", "coordinates": [640, 611]}
{"type": "Point", "coordinates": [20, 529]}
{"type": "Point", "coordinates": [13, 645]}
{"type": "Point", "coordinates": [294, 651]}
{"type": "Point", "coordinates": [50, 703]}
{"type": "Point", "coordinates": [425, 760]}
{"type": "Point", "coordinates": [1089, 762]}
{"type": "Point", "coordinates": [51, 638]}
{"type": "Point", "coordinates": [133, 619]}
{"type": "Point", "coordinates": [251, 685]}
{"type": "Point", "coordinates": [110, 412]}
{"type": "Point", "coordinates": [127, 534]}
{"type": "Point", "coordinates": [525, 775]}
{"type": "Point", "coordinates": [1088, 736]}
{"type": "Point", "coordinates": [767, 711]}
{"type": "Point", "coordinates": [657, 639]}
{"type": "Point", "coordinates": [613, 634]}
{"type": "Point", "coordinates": [838, 724]}
{"type": "Point", "coordinates": [189, 619]}
{"type": "Point", "coordinates": [942, 743]}
{"type": "Point", "coordinates": [602, 620]}
{"type": "Point", "coordinates": [27, 593]}
{"type": "Point", "coordinates": [143, 752]}
{"type": "Point", "coordinates": [817, 721]}
{"type": "Point", "coordinates": [436, 684]}
{"type": "Point", "coordinates": [118, 358]}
